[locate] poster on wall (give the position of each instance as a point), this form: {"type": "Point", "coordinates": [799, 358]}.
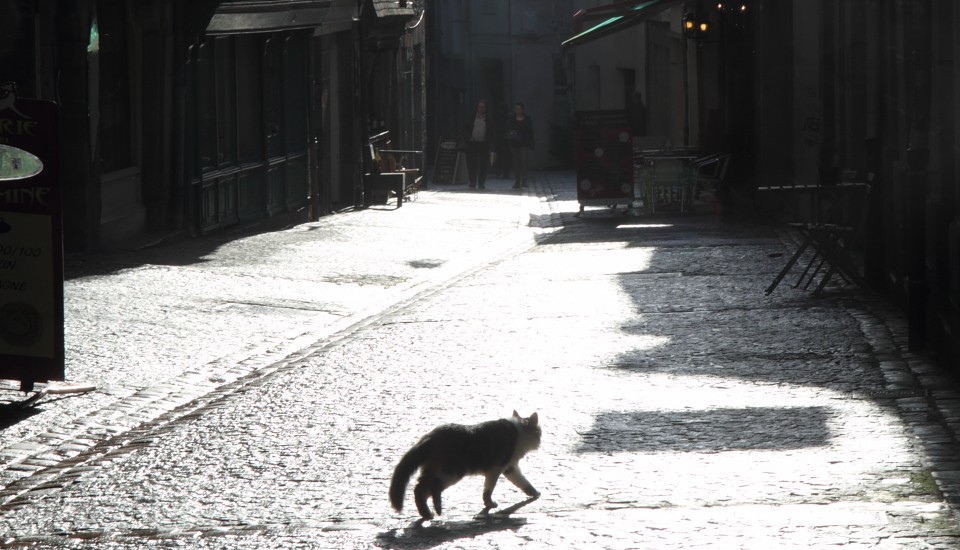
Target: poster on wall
{"type": "Point", "coordinates": [604, 158]}
{"type": "Point", "coordinates": [31, 244]}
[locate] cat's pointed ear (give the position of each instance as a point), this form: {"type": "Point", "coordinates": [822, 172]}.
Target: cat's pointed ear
{"type": "Point", "coordinates": [515, 415]}
{"type": "Point", "coordinates": [534, 419]}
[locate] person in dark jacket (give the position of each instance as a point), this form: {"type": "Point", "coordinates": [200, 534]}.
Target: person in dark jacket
{"type": "Point", "coordinates": [503, 162]}
{"type": "Point", "coordinates": [520, 139]}
{"type": "Point", "coordinates": [479, 136]}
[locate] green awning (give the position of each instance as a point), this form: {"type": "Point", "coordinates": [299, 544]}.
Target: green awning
{"type": "Point", "coordinates": [620, 17]}
{"type": "Point", "coordinates": [239, 16]}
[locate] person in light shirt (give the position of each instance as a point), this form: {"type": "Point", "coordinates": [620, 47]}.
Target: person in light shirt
{"type": "Point", "coordinates": [479, 134]}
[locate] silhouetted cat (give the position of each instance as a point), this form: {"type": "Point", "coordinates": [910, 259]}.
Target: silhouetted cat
{"type": "Point", "coordinates": [449, 452]}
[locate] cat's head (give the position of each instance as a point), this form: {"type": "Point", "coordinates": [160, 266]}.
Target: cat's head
{"type": "Point", "coordinates": [530, 427]}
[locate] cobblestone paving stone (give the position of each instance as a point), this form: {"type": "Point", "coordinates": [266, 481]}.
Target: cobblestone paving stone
{"type": "Point", "coordinates": [681, 408]}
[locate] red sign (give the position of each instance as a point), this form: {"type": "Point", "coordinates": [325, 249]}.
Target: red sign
{"type": "Point", "coordinates": [604, 158]}
{"type": "Point", "coordinates": [31, 244]}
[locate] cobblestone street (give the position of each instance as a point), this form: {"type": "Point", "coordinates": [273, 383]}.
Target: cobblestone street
{"type": "Point", "coordinates": [258, 393]}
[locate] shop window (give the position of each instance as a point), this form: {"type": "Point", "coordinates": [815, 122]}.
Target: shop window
{"type": "Point", "coordinates": [295, 99]}
{"type": "Point", "coordinates": [559, 74]}
{"type": "Point", "coordinates": [273, 96]}
{"type": "Point", "coordinates": [226, 71]}
{"type": "Point", "coordinates": [530, 22]}
{"type": "Point", "coordinates": [206, 107]}
{"type": "Point", "coordinates": [249, 98]}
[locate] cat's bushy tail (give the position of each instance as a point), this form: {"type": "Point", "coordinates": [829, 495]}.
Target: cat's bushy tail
{"type": "Point", "coordinates": [412, 460]}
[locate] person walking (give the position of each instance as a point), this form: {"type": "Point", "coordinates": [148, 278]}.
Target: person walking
{"type": "Point", "coordinates": [479, 131]}
{"type": "Point", "coordinates": [520, 139]}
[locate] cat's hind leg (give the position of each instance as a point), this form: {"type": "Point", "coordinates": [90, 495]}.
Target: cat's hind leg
{"type": "Point", "coordinates": [420, 494]}
{"type": "Point", "coordinates": [440, 483]}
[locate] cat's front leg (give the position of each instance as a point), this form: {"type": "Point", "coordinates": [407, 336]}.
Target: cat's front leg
{"type": "Point", "coordinates": [489, 483]}
{"type": "Point", "coordinates": [515, 477]}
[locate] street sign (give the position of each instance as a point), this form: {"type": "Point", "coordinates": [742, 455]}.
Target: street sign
{"type": "Point", "coordinates": [31, 244]}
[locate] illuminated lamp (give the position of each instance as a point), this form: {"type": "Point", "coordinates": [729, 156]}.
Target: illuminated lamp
{"type": "Point", "coordinates": [689, 25]}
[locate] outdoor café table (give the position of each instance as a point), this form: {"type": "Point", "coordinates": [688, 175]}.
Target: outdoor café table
{"type": "Point", "coordinates": [834, 227]}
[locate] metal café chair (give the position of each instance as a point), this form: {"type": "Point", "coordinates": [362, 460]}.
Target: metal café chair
{"type": "Point", "coordinates": [836, 229]}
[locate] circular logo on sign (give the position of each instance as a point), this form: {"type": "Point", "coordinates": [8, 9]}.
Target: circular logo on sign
{"type": "Point", "coordinates": [21, 324]}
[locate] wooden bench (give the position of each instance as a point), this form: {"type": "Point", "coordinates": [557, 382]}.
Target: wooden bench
{"type": "Point", "coordinates": [397, 171]}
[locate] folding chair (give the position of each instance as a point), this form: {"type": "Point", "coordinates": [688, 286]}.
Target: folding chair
{"type": "Point", "coordinates": [711, 171]}
{"type": "Point", "coordinates": [834, 233]}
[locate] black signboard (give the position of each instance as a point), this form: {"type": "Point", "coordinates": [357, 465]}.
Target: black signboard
{"type": "Point", "coordinates": [446, 165]}
{"type": "Point", "coordinates": [31, 244]}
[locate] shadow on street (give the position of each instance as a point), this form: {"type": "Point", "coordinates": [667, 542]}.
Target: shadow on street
{"type": "Point", "coordinates": [708, 431]}
{"type": "Point", "coordinates": [417, 535]}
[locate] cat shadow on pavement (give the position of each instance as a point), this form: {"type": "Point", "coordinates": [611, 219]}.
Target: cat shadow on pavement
{"type": "Point", "coordinates": [422, 534]}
